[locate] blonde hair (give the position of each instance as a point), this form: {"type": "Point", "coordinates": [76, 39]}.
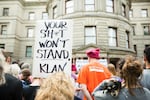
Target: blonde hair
{"type": "Point", "coordinates": [57, 86]}
{"type": "Point", "coordinates": [112, 69]}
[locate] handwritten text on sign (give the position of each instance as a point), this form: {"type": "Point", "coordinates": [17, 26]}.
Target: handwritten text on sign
{"type": "Point", "coordinates": [53, 47]}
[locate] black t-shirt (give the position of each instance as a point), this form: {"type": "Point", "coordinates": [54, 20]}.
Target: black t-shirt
{"type": "Point", "coordinates": [12, 89]}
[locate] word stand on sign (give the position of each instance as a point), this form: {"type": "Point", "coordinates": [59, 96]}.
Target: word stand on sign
{"type": "Point", "coordinates": [53, 47]}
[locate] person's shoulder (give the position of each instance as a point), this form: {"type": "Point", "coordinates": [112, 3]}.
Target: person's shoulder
{"type": "Point", "coordinates": [11, 79]}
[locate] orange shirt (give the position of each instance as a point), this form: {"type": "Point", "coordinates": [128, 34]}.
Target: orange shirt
{"type": "Point", "coordinates": [92, 74]}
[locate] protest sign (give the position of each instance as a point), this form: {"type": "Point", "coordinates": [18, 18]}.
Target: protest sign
{"type": "Point", "coordinates": [53, 47]}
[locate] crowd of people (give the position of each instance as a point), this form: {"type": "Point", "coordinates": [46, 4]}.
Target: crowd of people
{"type": "Point", "coordinates": [94, 81]}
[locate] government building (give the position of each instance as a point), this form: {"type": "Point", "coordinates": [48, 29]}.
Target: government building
{"type": "Point", "coordinates": [117, 27]}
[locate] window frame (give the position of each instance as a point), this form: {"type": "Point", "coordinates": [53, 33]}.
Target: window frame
{"type": "Point", "coordinates": [69, 9]}
{"type": "Point", "coordinates": [31, 16]}
{"type": "Point", "coordinates": [110, 6]}
{"type": "Point", "coordinates": [88, 36]}
{"type": "Point", "coordinates": [2, 46]}
{"type": "Point", "coordinates": [55, 11]}
{"type": "Point", "coordinates": [4, 29]}
{"type": "Point", "coordinates": [44, 15]}
{"type": "Point", "coordinates": [127, 39]}
{"type": "Point", "coordinates": [28, 53]}
{"type": "Point", "coordinates": [90, 5]}
{"type": "Point", "coordinates": [123, 8]}
{"type": "Point", "coordinates": [5, 11]}
{"type": "Point", "coordinates": [148, 29]}
{"type": "Point", "coordinates": [112, 37]}
{"type": "Point", "coordinates": [145, 13]}
{"type": "Point", "coordinates": [29, 34]}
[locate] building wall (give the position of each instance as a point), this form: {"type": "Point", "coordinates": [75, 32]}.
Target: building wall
{"type": "Point", "coordinates": [139, 39]}
{"type": "Point", "coordinates": [17, 23]}
{"type": "Point", "coordinates": [102, 20]}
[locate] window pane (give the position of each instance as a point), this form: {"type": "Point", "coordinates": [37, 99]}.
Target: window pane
{"type": "Point", "coordinates": [109, 9]}
{"type": "Point", "coordinates": [30, 32]}
{"type": "Point", "coordinates": [4, 29]}
{"type": "Point", "coordinates": [89, 7]}
{"type": "Point", "coordinates": [127, 39]}
{"type": "Point", "coordinates": [110, 5]}
{"type": "Point", "coordinates": [2, 46]}
{"type": "Point", "coordinates": [89, 40]}
{"type": "Point", "coordinates": [69, 6]}
{"type": "Point", "coordinates": [89, 1]}
{"type": "Point", "coordinates": [28, 51]}
{"type": "Point", "coordinates": [144, 13]}
{"type": "Point", "coordinates": [90, 31]}
{"type": "Point", "coordinates": [112, 34]}
{"type": "Point", "coordinates": [109, 2]}
{"type": "Point", "coordinates": [5, 11]}
{"type": "Point", "coordinates": [130, 13]}
{"type": "Point", "coordinates": [31, 15]}
{"type": "Point", "coordinates": [112, 42]}
{"type": "Point", "coordinates": [55, 12]}
{"type": "Point", "coordinates": [146, 29]}
{"type": "Point", "coordinates": [90, 34]}
{"type": "Point", "coordinates": [123, 10]}
{"type": "Point", "coordinates": [44, 15]}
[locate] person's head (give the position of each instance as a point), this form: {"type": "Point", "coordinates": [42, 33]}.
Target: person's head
{"type": "Point", "coordinates": [111, 68]}
{"type": "Point", "coordinates": [93, 53]}
{"type": "Point", "coordinates": [58, 86]}
{"type": "Point", "coordinates": [131, 71]}
{"type": "Point", "coordinates": [147, 54]}
{"type": "Point", "coordinates": [25, 66]}
{"type": "Point", "coordinates": [25, 74]}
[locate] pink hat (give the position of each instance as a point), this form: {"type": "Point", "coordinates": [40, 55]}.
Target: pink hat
{"type": "Point", "coordinates": [93, 53]}
{"type": "Point", "coordinates": [74, 67]}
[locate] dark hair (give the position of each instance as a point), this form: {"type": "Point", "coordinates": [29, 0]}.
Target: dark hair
{"type": "Point", "coordinates": [131, 71]}
{"type": "Point", "coordinates": [147, 53]}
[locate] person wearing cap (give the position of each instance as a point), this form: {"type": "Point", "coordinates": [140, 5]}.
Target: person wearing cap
{"type": "Point", "coordinates": [92, 73]}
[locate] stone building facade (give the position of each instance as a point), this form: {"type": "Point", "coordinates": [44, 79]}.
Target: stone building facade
{"type": "Point", "coordinates": [103, 24]}
{"type": "Point", "coordinates": [100, 24]}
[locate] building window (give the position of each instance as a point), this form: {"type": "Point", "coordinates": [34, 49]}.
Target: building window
{"type": "Point", "coordinates": [123, 10]}
{"type": "Point", "coordinates": [2, 46]}
{"type": "Point", "coordinates": [133, 27]}
{"type": "Point", "coordinates": [69, 6]}
{"type": "Point", "coordinates": [44, 15]}
{"type": "Point", "coordinates": [5, 11]}
{"type": "Point", "coordinates": [31, 15]}
{"type": "Point", "coordinates": [131, 13]}
{"type": "Point", "coordinates": [90, 35]}
{"type": "Point", "coordinates": [30, 32]}
{"type": "Point", "coordinates": [135, 48]}
{"type": "Point", "coordinates": [54, 12]}
{"type": "Point", "coordinates": [127, 40]}
{"type": "Point", "coordinates": [112, 36]}
{"type": "Point", "coordinates": [146, 29]}
{"type": "Point", "coordinates": [147, 45]}
{"type": "Point", "coordinates": [89, 5]}
{"type": "Point", "coordinates": [28, 51]}
{"type": "Point", "coordinates": [3, 29]}
{"type": "Point", "coordinates": [110, 5]}
{"type": "Point", "coordinates": [144, 13]}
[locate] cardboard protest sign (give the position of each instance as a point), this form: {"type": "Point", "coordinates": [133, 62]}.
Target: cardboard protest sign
{"type": "Point", "coordinates": [53, 47]}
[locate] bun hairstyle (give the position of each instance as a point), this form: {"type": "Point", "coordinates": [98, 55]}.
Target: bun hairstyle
{"type": "Point", "coordinates": [131, 71]}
